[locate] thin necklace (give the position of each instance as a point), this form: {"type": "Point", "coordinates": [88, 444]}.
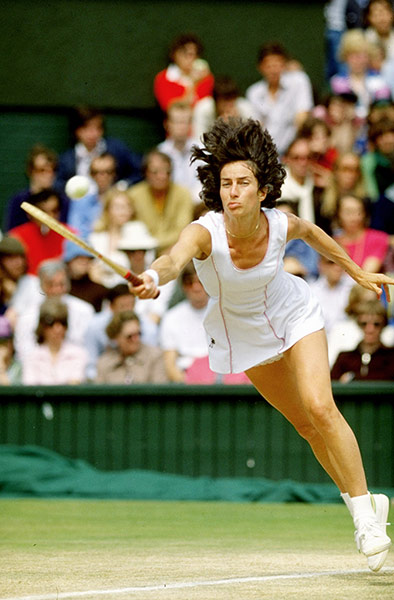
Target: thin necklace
{"type": "Point", "coordinates": [240, 237]}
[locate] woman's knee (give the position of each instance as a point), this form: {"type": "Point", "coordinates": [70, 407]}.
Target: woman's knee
{"type": "Point", "coordinates": [323, 414]}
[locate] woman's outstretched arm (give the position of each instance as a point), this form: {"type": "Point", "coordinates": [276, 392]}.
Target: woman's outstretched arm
{"type": "Point", "coordinates": [328, 247]}
{"type": "Point", "coordinates": [194, 242]}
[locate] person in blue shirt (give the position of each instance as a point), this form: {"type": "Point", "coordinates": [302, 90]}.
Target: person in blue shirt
{"type": "Point", "coordinates": [87, 127]}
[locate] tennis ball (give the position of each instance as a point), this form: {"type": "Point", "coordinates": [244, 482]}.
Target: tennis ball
{"type": "Point", "coordinates": [77, 187]}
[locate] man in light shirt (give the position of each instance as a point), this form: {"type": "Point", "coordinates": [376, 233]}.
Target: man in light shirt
{"type": "Point", "coordinates": [283, 98]}
{"type": "Point", "coordinates": [298, 185]}
{"type": "Point", "coordinates": [178, 145]}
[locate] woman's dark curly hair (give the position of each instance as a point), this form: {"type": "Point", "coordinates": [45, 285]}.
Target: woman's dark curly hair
{"type": "Point", "coordinates": [233, 140]}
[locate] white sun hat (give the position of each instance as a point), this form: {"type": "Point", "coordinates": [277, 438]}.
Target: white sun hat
{"type": "Point", "coordinates": [136, 236]}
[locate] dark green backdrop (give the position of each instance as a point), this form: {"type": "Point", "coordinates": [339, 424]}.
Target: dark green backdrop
{"type": "Point", "coordinates": [62, 52]}
{"type": "Point", "coordinates": [58, 53]}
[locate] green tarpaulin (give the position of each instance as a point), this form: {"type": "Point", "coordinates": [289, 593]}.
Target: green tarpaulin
{"type": "Point", "coordinates": [30, 471]}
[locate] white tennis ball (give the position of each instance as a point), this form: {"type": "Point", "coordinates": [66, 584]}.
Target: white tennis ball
{"type": "Point", "coordinates": [77, 187]}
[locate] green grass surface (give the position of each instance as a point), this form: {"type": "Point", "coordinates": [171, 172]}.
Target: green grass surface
{"type": "Point", "coordinates": [59, 547]}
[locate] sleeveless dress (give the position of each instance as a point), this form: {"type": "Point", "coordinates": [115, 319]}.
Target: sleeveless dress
{"type": "Point", "coordinates": [253, 314]}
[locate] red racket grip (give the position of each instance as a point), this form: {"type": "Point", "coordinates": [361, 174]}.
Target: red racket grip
{"type": "Point", "coordinates": [135, 280]}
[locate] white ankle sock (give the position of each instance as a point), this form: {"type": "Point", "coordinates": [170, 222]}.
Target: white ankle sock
{"type": "Point", "coordinates": [348, 501]}
{"type": "Point", "coordinates": [362, 508]}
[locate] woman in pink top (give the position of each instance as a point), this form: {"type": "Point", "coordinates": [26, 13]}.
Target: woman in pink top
{"type": "Point", "coordinates": [366, 247]}
{"type": "Point", "coordinates": [54, 361]}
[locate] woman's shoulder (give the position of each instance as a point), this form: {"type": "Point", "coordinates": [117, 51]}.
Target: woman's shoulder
{"type": "Point", "coordinates": [274, 214]}
{"type": "Point", "coordinates": [210, 219]}
{"type": "Point", "coordinates": [138, 189]}
{"type": "Point", "coordinates": [376, 234]}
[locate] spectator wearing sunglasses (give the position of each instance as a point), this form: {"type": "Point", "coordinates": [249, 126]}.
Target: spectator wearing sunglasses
{"type": "Point", "coordinates": [84, 213]}
{"type": "Point", "coordinates": [370, 360]}
{"type": "Point", "coordinates": [129, 361]}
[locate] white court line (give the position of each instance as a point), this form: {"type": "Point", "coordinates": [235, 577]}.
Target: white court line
{"type": "Point", "coordinates": [190, 584]}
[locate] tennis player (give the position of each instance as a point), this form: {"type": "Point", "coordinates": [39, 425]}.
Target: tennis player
{"type": "Point", "coordinates": [264, 321]}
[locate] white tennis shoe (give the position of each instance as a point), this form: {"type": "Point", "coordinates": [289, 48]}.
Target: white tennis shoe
{"type": "Point", "coordinates": [371, 537]}
{"type": "Point", "coordinates": [381, 504]}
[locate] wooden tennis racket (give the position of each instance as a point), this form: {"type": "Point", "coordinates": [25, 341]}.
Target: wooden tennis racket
{"type": "Point", "coordinates": [55, 225]}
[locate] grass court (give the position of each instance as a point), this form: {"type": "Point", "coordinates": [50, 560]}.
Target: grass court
{"type": "Point", "coordinates": [110, 550]}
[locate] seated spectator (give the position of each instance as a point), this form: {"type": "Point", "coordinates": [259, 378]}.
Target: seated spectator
{"type": "Point", "coordinates": [370, 360]}
{"type": "Point", "coordinates": [107, 231]}
{"type": "Point", "coordinates": [41, 173]}
{"type": "Point", "coordinates": [12, 273]}
{"type": "Point", "coordinates": [300, 258]}
{"type": "Point", "coordinates": [87, 129]}
{"type": "Point", "coordinates": [96, 340]}
{"type": "Point", "coordinates": [54, 283]}
{"type": "Point", "coordinates": [140, 248]}
{"type": "Point", "coordinates": [332, 289]}
{"type": "Point", "coordinates": [335, 25]}
{"type": "Point", "coordinates": [367, 247]}
{"type": "Point", "coordinates": [164, 206]}
{"type": "Point", "coordinates": [182, 335]}
{"type": "Point", "coordinates": [322, 159]}
{"type": "Point", "coordinates": [346, 128]}
{"type": "Point", "coordinates": [345, 334]}
{"type": "Point", "coordinates": [187, 78]}
{"type": "Point", "coordinates": [84, 212]}
{"type": "Point", "coordinates": [225, 102]}
{"type": "Point", "coordinates": [55, 360]}
{"type": "Point", "coordinates": [10, 369]}
{"type": "Point", "coordinates": [129, 361]}
{"type": "Point", "coordinates": [355, 52]}
{"type": "Point", "coordinates": [381, 109]}
{"type": "Point", "coordinates": [178, 145]}
{"type": "Point", "coordinates": [79, 263]}
{"type": "Point", "coordinates": [298, 185]}
{"type": "Point", "coordinates": [379, 19]}
{"type": "Point", "coordinates": [346, 178]}
{"type": "Point", "coordinates": [322, 153]}
{"type": "Point", "coordinates": [40, 242]}
{"type": "Point", "coordinates": [378, 164]}
{"type": "Point", "coordinates": [19, 287]}
{"type": "Point", "coordinates": [283, 99]}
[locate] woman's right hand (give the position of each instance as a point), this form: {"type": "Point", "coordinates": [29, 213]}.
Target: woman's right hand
{"type": "Point", "coordinates": [146, 290]}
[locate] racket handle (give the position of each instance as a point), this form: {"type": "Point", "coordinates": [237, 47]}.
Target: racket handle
{"type": "Point", "coordinates": [135, 280]}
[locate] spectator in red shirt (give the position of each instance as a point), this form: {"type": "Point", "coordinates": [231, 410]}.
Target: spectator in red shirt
{"type": "Point", "coordinates": [40, 242]}
{"type": "Point", "coordinates": [187, 78]}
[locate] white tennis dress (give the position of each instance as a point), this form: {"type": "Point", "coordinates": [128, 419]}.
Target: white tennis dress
{"type": "Point", "coordinates": [254, 314]}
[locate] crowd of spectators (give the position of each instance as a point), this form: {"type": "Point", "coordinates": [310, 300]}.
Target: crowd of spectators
{"type": "Point", "coordinates": [66, 318]}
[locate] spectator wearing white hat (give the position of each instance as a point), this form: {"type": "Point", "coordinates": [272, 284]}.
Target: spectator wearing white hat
{"type": "Point", "coordinates": [134, 243]}
{"type": "Point", "coordinates": [140, 247]}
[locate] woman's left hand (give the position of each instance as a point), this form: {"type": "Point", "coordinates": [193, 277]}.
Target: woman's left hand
{"type": "Point", "coordinates": [376, 282]}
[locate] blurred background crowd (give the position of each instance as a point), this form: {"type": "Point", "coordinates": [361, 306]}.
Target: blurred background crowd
{"type": "Point", "coordinates": [66, 318]}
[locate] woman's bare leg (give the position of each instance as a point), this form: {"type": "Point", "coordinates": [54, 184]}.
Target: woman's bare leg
{"type": "Point", "coordinates": [299, 386]}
